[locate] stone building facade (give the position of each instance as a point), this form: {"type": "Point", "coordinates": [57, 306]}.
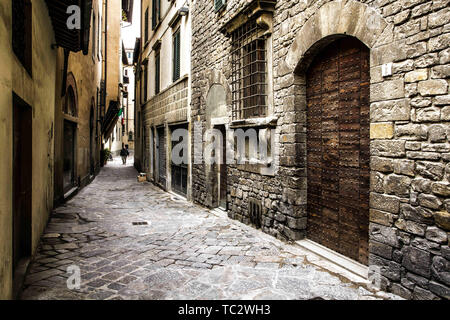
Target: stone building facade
{"type": "Point", "coordinates": [390, 143]}
{"type": "Point", "coordinates": [163, 93]}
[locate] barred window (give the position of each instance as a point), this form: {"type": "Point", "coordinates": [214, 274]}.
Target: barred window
{"type": "Point", "coordinates": [249, 72]}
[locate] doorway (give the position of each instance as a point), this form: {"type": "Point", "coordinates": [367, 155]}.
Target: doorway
{"type": "Point", "coordinates": [92, 144]}
{"type": "Point", "coordinates": [179, 171]}
{"type": "Point", "coordinates": [69, 176]}
{"type": "Point", "coordinates": [337, 85]}
{"type": "Point", "coordinates": [161, 152]}
{"type": "Point", "coordinates": [22, 180]}
{"type": "Point", "coordinates": [221, 170]}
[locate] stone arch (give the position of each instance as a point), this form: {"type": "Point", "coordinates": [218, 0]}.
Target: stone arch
{"type": "Point", "coordinates": [332, 20]}
{"type": "Point", "coordinates": [71, 96]}
{"type": "Point", "coordinates": [216, 79]}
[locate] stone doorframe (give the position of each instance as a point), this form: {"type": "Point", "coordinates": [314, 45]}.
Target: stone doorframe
{"type": "Point", "coordinates": [215, 77]}
{"type": "Point", "coordinates": [331, 21]}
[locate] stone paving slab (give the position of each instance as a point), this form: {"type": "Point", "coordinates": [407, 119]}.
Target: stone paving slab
{"type": "Point", "coordinates": [183, 252]}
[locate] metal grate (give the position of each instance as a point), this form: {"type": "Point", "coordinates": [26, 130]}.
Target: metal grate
{"type": "Point", "coordinates": [140, 223]}
{"type": "Point", "coordinates": [255, 212]}
{"type": "Point", "coordinates": [249, 71]}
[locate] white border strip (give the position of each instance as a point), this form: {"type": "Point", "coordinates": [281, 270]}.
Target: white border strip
{"type": "Point", "coordinates": [337, 258]}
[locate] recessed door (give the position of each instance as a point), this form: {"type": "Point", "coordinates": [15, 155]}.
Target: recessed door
{"type": "Point", "coordinates": [22, 180]}
{"type": "Point", "coordinates": [222, 171]}
{"type": "Point", "coordinates": [338, 148]}
{"type": "Point", "coordinates": [69, 155]}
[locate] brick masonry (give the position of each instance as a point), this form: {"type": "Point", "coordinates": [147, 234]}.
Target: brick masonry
{"type": "Point", "coordinates": [410, 128]}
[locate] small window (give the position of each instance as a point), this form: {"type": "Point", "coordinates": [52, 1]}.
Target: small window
{"type": "Point", "coordinates": [156, 13]}
{"type": "Point", "coordinates": [219, 5]}
{"type": "Point", "coordinates": [249, 72]}
{"type": "Point", "coordinates": [176, 55]}
{"type": "Point", "coordinates": [157, 72]}
{"type": "Point", "coordinates": [145, 83]}
{"type": "Point", "coordinates": [22, 31]}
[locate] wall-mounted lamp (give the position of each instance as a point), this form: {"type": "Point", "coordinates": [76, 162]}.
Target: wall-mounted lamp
{"type": "Point", "coordinates": [183, 11]}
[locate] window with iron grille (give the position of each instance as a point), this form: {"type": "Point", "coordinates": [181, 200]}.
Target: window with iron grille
{"type": "Point", "coordinates": [21, 32]}
{"type": "Point", "coordinates": [249, 72]}
{"type": "Point", "coordinates": [157, 72]}
{"type": "Point", "coordinates": [176, 55]}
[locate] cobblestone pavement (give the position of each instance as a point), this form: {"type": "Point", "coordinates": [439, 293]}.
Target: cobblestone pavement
{"type": "Point", "coordinates": [183, 252]}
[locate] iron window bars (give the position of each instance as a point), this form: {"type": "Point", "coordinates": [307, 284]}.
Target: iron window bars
{"type": "Point", "coordinates": [249, 72]}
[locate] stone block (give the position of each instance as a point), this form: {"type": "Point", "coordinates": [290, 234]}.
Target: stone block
{"type": "Point", "coordinates": [442, 219]}
{"type": "Point", "coordinates": [381, 130]}
{"type": "Point", "coordinates": [445, 113]}
{"type": "Point", "coordinates": [420, 102]}
{"type": "Point", "coordinates": [439, 289]}
{"type": "Point", "coordinates": [381, 217]}
{"type": "Point", "coordinates": [397, 184]}
{"type": "Point", "coordinates": [441, 189]}
{"type": "Point", "coordinates": [436, 235]}
{"type": "Point", "coordinates": [423, 155]}
{"type": "Point", "coordinates": [416, 75]}
{"type": "Point", "coordinates": [440, 72]}
{"type": "Point", "coordinates": [430, 114]}
{"type": "Point", "coordinates": [417, 261]}
{"type": "Point", "coordinates": [388, 148]}
{"type": "Point", "coordinates": [429, 201]}
{"type": "Point", "coordinates": [418, 214]}
{"type": "Point", "coordinates": [405, 167]}
{"type": "Point", "coordinates": [412, 131]}
{"type": "Point", "coordinates": [432, 87]}
{"type": "Point", "coordinates": [393, 110]}
{"type": "Point", "coordinates": [430, 170]}
{"type": "Point", "coordinates": [381, 164]}
{"type": "Point", "coordinates": [384, 202]}
{"type": "Point", "coordinates": [384, 234]}
{"type": "Point", "coordinates": [387, 90]}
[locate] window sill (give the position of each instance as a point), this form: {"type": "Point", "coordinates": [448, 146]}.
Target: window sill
{"type": "Point", "coordinates": [255, 122]}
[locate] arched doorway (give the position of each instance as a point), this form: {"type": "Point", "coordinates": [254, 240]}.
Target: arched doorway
{"type": "Point", "coordinates": [70, 138]}
{"type": "Point", "coordinates": [338, 122]}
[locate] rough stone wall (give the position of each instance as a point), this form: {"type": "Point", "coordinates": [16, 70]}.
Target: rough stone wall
{"type": "Point", "coordinates": [410, 128]}
{"type": "Point", "coordinates": [170, 105]}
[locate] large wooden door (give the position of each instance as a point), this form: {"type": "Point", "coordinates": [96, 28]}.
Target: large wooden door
{"type": "Point", "coordinates": [338, 148]}
{"type": "Point", "coordinates": [22, 182]}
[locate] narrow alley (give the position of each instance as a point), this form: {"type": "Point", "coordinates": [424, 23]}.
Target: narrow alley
{"type": "Point", "coordinates": [133, 241]}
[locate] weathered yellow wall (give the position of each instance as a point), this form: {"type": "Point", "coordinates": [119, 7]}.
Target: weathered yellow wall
{"type": "Point", "coordinates": [87, 71]}
{"type": "Point", "coordinates": [114, 50]}
{"type": "Point", "coordinates": [38, 92]}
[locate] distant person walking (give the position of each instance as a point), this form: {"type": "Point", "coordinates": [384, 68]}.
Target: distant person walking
{"type": "Point", "coordinates": [124, 154]}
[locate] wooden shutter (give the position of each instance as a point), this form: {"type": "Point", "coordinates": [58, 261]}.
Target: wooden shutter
{"type": "Point", "coordinates": [146, 26]}
{"type": "Point", "coordinates": [157, 73]}
{"type": "Point", "coordinates": [176, 56]}
{"type": "Point", "coordinates": [219, 4]}
{"type": "Point", "coordinates": [156, 15]}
